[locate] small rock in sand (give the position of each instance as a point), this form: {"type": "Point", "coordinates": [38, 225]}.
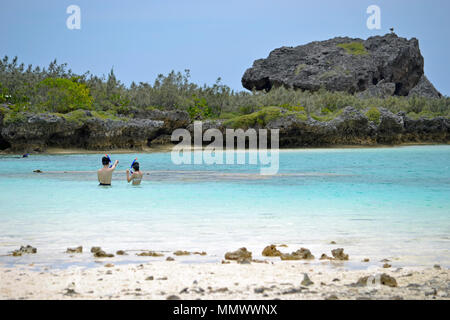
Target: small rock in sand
{"type": "Point", "coordinates": [366, 260]}
{"type": "Point", "coordinates": [149, 278]}
{"type": "Point", "coordinates": [99, 253]}
{"type": "Point", "coordinates": [386, 265]}
{"type": "Point", "coordinates": [242, 253]}
{"type": "Point", "coordinates": [109, 265]}
{"type": "Point", "coordinates": [333, 242]}
{"type": "Point", "coordinates": [436, 266]}
{"type": "Point", "coordinates": [332, 297]}
{"type": "Point", "coordinates": [203, 253]}
{"type": "Point", "coordinates": [170, 259]}
{"type": "Point", "coordinates": [271, 251]}
{"type": "Point", "coordinates": [173, 297]}
{"type": "Point", "coordinates": [306, 280]}
{"type": "Point", "coordinates": [75, 250]}
{"type": "Point", "coordinates": [121, 253]}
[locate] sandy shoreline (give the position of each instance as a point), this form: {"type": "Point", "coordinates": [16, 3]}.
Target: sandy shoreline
{"type": "Point", "coordinates": [168, 148]}
{"type": "Point", "coordinates": [175, 280]}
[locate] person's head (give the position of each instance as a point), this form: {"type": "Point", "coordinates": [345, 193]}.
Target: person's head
{"type": "Point", "coordinates": [105, 161]}
{"type": "Point", "coordinates": [136, 166]}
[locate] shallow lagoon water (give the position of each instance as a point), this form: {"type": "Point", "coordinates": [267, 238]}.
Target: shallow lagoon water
{"type": "Point", "coordinates": [377, 203]}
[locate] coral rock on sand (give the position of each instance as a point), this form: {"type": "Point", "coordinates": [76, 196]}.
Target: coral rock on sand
{"type": "Point", "coordinates": [324, 256]}
{"type": "Point", "coordinates": [384, 279]}
{"type": "Point", "coordinates": [149, 254]}
{"type": "Point", "coordinates": [271, 251]}
{"type": "Point", "coordinates": [301, 254]}
{"type": "Point", "coordinates": [121, 253]}
{"type": "Point", "coordinates": [27, 250]}
{"type": "Point", "coordinates": [170, 259]}
{"type": "Point", "coordinates": [99, 253]}
{"type": "Point", "coordinates": [203, 253]}
{"type": "Point", "coordinates": [339, 254]}
{"type": "Point", "coordinates": [386, 265]}
{"type": "Point", "coordinates": [75, 250]}
{"type": "Point", "coordinates": [242, 253]}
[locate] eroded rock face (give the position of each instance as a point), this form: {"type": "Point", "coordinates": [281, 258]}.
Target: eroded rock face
{"type": "Point", "coordinates": [37, 132]}
{"type": "Point", "coordinates": [334, 65]}
{"type": "Point", "coordinates": [425, 88]}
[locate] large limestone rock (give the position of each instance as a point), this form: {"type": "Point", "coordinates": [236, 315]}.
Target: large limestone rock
{"type": "Point", "coordinates": [342, 64]}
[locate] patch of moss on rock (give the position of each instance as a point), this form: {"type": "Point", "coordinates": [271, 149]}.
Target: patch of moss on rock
{"type": "Point", "coordinates": [354, 48]}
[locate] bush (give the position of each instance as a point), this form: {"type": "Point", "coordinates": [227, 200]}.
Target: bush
{"type": "Point", "coordinates": [373, 114]}
{"type": "Point", "coordinates": [64, 95]}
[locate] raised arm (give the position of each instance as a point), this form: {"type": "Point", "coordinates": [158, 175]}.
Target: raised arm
{"type": "Point", "coordinates": [129, 178]}
{"type": "Point", "coordinates": [115, 164]}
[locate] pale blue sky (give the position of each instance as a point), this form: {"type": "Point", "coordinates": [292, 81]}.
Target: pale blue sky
{"type": "Point", "coordinates": [142, 38]}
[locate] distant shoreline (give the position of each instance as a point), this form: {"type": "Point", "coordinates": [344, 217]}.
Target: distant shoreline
{"type": "Point", "coordinates": [168, 148]}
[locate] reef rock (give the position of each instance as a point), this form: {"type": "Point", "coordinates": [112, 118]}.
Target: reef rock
{"type": "Point", "coordinates": [24, 250]}
{"type": "Point", "coordinates": [240, 254]}
{"type": "Point", "coordinates": [301, 254]}
{"type": "Point", "coordinates": [339, 254]}
{"type": "Point", "coordinates": [271, 251]}
{"type": "Point", "coordinates": [341, 64]}
{"type": "Point", "coordinates": [383, 279]}
{"type": "Point", "coordinates": [75, 250]}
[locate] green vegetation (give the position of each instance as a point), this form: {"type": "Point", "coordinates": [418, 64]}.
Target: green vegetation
{"type": "Point", "coordinates": [57, 90]}
{"type": "Point", "coordinates": [354, 48]}
{"type": "Point", "coordinates": [373, 114]}
{"type": "Point", "coordinates": [64, 95]}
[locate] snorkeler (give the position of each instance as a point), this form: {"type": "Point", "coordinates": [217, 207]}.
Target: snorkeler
{"type": "Point", "coordinates": [105, 174]}
{"type": "Point", "coordinates": [136, 176]}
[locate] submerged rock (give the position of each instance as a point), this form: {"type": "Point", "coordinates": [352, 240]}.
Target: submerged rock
{"type": "Point", "coordinates": [99, 253]}
{"type": "Point", "coordinates": [271, 251]}
{"type": "Point", "coordinates": [301, 254]}
{"type": "Point", "coordinates": [182, 253]}
{"type": "Point", "coordinates": [241, 253]}
{"type": "Point", "coordinates": [149, 254]}
{"type": "Point", "coordinates": [75, 250]}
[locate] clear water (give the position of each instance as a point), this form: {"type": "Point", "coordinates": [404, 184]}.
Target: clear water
{"type": "Point", "coordinates": [377, 203]}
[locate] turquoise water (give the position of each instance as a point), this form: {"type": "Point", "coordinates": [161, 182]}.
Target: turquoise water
{"type": "Point", "coordinates": [376, 203]}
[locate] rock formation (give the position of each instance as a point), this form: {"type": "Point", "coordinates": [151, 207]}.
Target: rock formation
{"type": "Point", "coordinates": [379, 66]}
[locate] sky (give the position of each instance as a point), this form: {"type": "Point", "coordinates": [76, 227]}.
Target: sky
{"type": "Point", "coordinates": [143, 38]}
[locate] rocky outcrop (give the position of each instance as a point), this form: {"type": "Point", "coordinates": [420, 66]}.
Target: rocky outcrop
{"type": "Point", "coordinates": [380, 66]}
{"type": "Point", "coordinates": [271, 251]}
{"type": "Point", "coordinates": [37, 132]}
{"type": "Point", "coordinates": [24, 250]}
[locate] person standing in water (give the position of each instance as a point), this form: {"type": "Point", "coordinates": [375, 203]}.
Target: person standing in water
{"type": "Point", "coordinates": [136, 176]}
{"type": "Point", "coordinates": [105, 174]}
